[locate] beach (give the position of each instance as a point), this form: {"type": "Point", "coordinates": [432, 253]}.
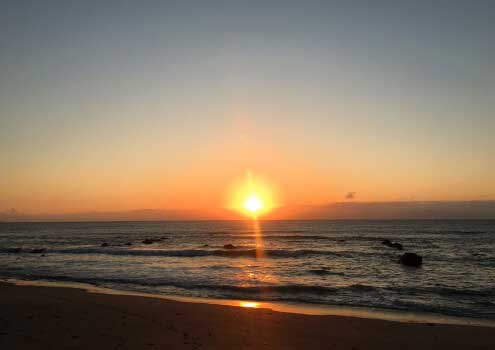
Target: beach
{"type": "Point", "coordinates": [34, 317]}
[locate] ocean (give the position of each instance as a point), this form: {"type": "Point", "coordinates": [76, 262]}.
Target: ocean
{"type": "Point", "coordinates": [337, 263]}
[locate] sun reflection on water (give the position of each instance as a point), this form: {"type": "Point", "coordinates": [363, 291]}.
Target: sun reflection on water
{"type": "Point", "coordinates": [251, 304]}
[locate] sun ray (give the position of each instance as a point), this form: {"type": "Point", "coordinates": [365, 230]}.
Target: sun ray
{"type": "Point", "coordinates": [252, 197]}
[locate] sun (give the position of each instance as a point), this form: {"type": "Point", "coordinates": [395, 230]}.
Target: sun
{"type": "Point", "coordinates": [253, 203]}
{"type": "Point", "coordinates": [252, 196]}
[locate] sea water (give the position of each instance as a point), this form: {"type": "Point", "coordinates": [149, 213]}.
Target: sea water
{"type": "Point", "coordinates": [337, 263]}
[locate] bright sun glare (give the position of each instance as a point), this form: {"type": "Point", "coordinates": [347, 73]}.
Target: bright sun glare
{"type": "Point", "coordinates": [251, 304]}
{"type": "Point", "coordinates": [253, 204]}
{"type": "Point", "coordinates": [253, 197]}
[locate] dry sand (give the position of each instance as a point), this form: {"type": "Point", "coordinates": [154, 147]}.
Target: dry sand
{"type": "Point", "coordinates": [33, 317]}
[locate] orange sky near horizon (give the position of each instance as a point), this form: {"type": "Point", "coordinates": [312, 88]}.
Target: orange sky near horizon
{"type": "Point", "coordinates": [198, 175]}
{"type": "Point", "coordinates": [203, 178]}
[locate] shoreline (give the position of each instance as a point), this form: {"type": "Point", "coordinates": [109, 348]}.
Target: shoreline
{"type": "Point", "coordinates": [276, 306]}
{"type": "Point", "coordinates": [39, 317]}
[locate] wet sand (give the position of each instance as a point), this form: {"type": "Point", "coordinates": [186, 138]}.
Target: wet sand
{"type": "Point", "coordinates": [33, 317]}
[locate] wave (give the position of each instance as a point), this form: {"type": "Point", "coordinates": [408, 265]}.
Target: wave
{"type": "Point", "coordinates": [234, 253]}
{"type": "Point", "coordinates": [288, 237]}
{"type": "Point", "coordinates": [325, 272]}
{"type": "Point", "coordinates": [455, 232]}
{"type": "Point", "coordinates": [298, 237]}
{"type": "Point", "coordinates": [259, 291]}
{"type": "Point", "coordinates": [386, 255]}
{"type": "Point", "coordinates": [191, 253]}
{"type": "Point", "coordinates": [445, 291]}
{"type": "Point", "coordinates": [241, 232]}
{"type": "Point", "coordinates": [244, 290]}
{"type": "Point", "coordinates": [251, 232]}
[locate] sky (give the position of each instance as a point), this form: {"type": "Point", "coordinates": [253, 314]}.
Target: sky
{"type": "Point", "coordinates": [111, 106]}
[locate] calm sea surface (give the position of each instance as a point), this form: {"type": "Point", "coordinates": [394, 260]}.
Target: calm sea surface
{"type": "Point", "coordinates": [322, 262]}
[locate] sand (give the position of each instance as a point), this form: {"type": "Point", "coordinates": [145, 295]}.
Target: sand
{"type": "Point", "coordinates": [33, 317]}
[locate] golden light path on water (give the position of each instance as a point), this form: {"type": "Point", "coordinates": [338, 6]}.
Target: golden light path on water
{"type": "Point", "coordinates": [254, 197]}
{"type": "Point", "coordinates": [251, 304]}
{"type": "Point", "coordinates": [258, 236]}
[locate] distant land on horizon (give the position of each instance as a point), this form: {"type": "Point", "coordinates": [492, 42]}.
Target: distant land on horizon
{"type": "Point", "coordinates": [476, 209]}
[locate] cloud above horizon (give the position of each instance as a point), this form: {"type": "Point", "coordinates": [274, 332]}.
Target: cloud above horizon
{"type": "Point", "coordinates": [402, 210]}
{"type": "Point", "coordinates": [350, 195]}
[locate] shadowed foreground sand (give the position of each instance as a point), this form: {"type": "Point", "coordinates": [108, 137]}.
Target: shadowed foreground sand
{"type": "Point", "coordinates": [66, 318]}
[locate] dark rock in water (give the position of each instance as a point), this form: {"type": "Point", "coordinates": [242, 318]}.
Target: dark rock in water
{"type": "Point", "coordinates": [151, 240]}
{"type": "Point", "coordinates": [37, 250]}
{"type": "Point", "coordinates": [14, 250]}
{"type": "Point", "coordinates": [325, 272]}
{"type": "Point", "coordinates": [105, 244]}
{"type": "Point", "coordinates": [390, 244]}
{"type": "Point", "coordinates": [128, 243]}
{"type": "Point", "coordinates": [229, 246]}
{"type": "Point", "coordinates": [320, 272]}
{"type": "Point", "coordinates": [411, 259]}
{"type": "Point", "coordinates": [397, 245]}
